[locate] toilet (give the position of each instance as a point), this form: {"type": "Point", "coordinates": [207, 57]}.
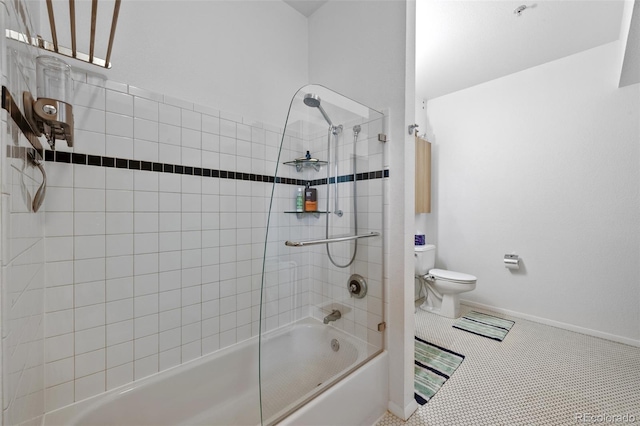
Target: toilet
{"type": "Point", "coordinates": [442, 288]}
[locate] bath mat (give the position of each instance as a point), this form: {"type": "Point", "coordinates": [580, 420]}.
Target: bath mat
{"type": "Point", "coordinates": [433, 366]}
{"type": "Point", "coordinates": [484, 325]}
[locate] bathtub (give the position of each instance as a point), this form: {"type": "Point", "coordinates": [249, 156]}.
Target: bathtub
{"type": "Point", "coordinates": [222, 388]}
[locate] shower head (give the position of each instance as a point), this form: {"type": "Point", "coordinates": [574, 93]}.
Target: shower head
{"type": "Point", "coordinates": [313, 101]}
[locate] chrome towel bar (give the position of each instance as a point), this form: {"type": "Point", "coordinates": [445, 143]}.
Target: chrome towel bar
{"type": "Point", "coordinates": [330, 240]}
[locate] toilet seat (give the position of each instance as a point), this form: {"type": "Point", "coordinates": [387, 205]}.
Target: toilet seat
{"type": "Point", "coordinates": [451, 276]}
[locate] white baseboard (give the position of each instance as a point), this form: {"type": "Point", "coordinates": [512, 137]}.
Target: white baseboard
{"type": "Point", "coordinates": [558, 324]}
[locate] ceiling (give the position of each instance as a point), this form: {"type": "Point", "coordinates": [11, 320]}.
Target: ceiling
{"type": "Point", "coordinates": [464, 43]}
{"type": "Point", "coordinates": [306, 7]}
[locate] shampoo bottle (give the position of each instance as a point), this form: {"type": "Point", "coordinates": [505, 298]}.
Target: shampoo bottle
{"type": "Point", "coordinates": [299, 200]}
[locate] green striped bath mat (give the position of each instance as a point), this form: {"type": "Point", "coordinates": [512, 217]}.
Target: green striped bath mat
{"type": "Point", "coordinates": [484, 325]}
{"type": "Point", "coordinates": [433, 366]}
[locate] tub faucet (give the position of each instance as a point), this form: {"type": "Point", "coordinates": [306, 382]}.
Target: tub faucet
{"type": "Point", "coordinates": [334, 315]}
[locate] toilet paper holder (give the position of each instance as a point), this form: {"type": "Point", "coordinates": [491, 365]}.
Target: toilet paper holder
{"type": "Point", "coordinates": [511, 261]}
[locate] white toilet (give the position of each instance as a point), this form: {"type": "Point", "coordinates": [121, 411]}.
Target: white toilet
{"type": "Point", "coordinates": [442, 288]}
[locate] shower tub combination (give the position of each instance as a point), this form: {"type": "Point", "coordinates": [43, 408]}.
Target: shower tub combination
{"type": "Point", "coordinates": [223, 389]}
{"type": "Point", "coordinates": [299, 369]}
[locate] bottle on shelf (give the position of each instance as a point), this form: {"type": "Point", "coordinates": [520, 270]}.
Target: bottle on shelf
{"type": "Point", "coordinates": [310, 199]}
{"type": "Point", "coordinates": [299, 200]}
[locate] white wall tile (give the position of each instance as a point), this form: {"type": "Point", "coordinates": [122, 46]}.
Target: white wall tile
{"type": "Point", "coordinates": [89, 340]}
{"type": "Point", "coordinates": [119, 223]}
{"type": "Point", "coordinates": [145, 367]}
{"type": "Point", "coordinates": [145, 305]}
{"type": "Point", "coordinates": [145, 108]}
{"type": "Point", "coordinates": [119, 332]}
{"type": "Point", "coordinates": [90, 362]}
{"type": "Point", "coordinates": [119, 354]}
{"type": "Point", "coordinates": [59, 199]}
{"type": "Point", "coordinates": [145, 150]}
{"type": "Point", "coordinates": [191, 120]}
{"type": "Point", "coordinates": [58, 372]}
{"type": "Point", "coordinates": [169, 114]}
{"type": "Point", "coordinates": [119, 147]}
{"type": "Point", "coordinates": [119, 201]}
{"type": "Point", "coordinates": [58, 298]}
{"type": "Point", "coordinates": [89, 96]}
{"type": "Point", "coordinates": [118, 267]}
{"type": "Point", "coordinates": [89, 200]}
{"type": "Point", "coordinates": [89, 223]}
{"type": "Point", "coordinates": [118, 102]}
{"type": "Point", "coordinates": [90, 119]}
{"type": "Point", "coordinates": [58, 323]}
{"type": "Point", "coordinates": [119, 310]}
{"type": "Point", "coordinates": [119, 125]}
{"type": "Point", "coordinates": [89, 293]}
{"type": "Point", "coordinates": [145, 129]}
{"type": "Point", "coordinates": [191, 139]}
{"type": "Point", "coordinates": [145, 326]}
{"type": "Point", "coordinates": [58, 224]}
{"type": "Point", "coordinates": [119, 245]}
{"type": "Point", "coordinates": [88, 270]}
{"type": "Point", "coordinates": [89, 246]}
{"type": "Point", "coordinates": [59, 396]}
{"type": "Point", "coordinates": [145, 346]}
{"type": "Point", "coordinates": [119, 288]}
{"type": "Point", "coordinates": [90, 385]}
{"type": "Point", "coordinates": [210, 124]}
{"type": "Point", "coordinates": [119, 376]}
{"type": "Point", "coordinates": [89, 317]}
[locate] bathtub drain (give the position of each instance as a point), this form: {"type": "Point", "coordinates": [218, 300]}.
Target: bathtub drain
{"type": "Point", "coordinates": [335, 345]}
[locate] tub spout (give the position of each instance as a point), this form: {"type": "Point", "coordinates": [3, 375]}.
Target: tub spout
{"type": "Point", "coordinates": [334, 315]}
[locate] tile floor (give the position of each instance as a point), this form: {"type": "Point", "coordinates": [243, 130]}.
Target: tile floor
{"type": "Point", "coordinates": [539, 375]}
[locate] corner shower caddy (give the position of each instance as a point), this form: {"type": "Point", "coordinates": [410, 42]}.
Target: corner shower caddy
{"type": "Point", "coordinates": [301, 164]}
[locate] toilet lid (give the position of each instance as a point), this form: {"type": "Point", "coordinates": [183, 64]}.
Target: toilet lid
{"type": "Point", "coordinates": [456, 277]}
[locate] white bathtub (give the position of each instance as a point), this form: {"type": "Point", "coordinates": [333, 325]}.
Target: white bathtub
{"type": "Point", "coordinates": [222, 388]}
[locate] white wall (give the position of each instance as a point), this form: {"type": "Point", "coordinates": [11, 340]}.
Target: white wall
{"type": "Point", "coordinates": [245, 57]}
{"type": "Point", "coordinates": [363, 49]}
{"type": "Point", "coordinates": [544, 163]}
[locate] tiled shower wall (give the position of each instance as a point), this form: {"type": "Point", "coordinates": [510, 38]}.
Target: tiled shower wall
{"type": "Point", "coordinates": [22, 239]}
{"type": "Point", "coordinates": [155, 231]}
{"type": "Point", "coordinates": [153, 251]}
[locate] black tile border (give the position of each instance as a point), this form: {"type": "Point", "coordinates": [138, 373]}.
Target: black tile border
{"type": "Point", "coordinates": [123, 163]}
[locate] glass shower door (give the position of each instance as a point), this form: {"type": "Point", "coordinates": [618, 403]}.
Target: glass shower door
{"type": "Point", "coordinates": [321, 291]}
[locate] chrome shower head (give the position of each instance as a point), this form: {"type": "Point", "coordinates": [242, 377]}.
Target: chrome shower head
{"type": "Point", "coordinates": [313, 101]}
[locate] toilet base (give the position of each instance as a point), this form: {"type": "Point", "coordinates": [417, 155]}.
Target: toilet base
{"type": "Point", "coordinates": [449, 307]}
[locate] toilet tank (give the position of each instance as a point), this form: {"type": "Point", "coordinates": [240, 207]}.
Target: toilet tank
{"type": "Point", "coordinates": [425, 258]}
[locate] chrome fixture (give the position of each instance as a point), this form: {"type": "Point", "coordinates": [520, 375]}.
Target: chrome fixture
{"type": "Point", "coordinates": [357, 286]}
{"type": "Point", "coordinates": [51, 114]}
{"type": "Point", "coordinates": [330, 240]}
{"type": "Point", "coordinates": [413, 128]}
{"type": "Point", "coordinates": [335, 345]}
{"type": "Point", "coordinates": [334, 315]}
{"type": "Point", "coordinates": [313, 101]}
{"type": "Point", "coordinates": [512, 261]}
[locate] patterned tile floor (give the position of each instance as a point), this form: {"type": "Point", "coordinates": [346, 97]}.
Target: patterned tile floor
{"type": "Point", "coordinates": [539, 375]}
